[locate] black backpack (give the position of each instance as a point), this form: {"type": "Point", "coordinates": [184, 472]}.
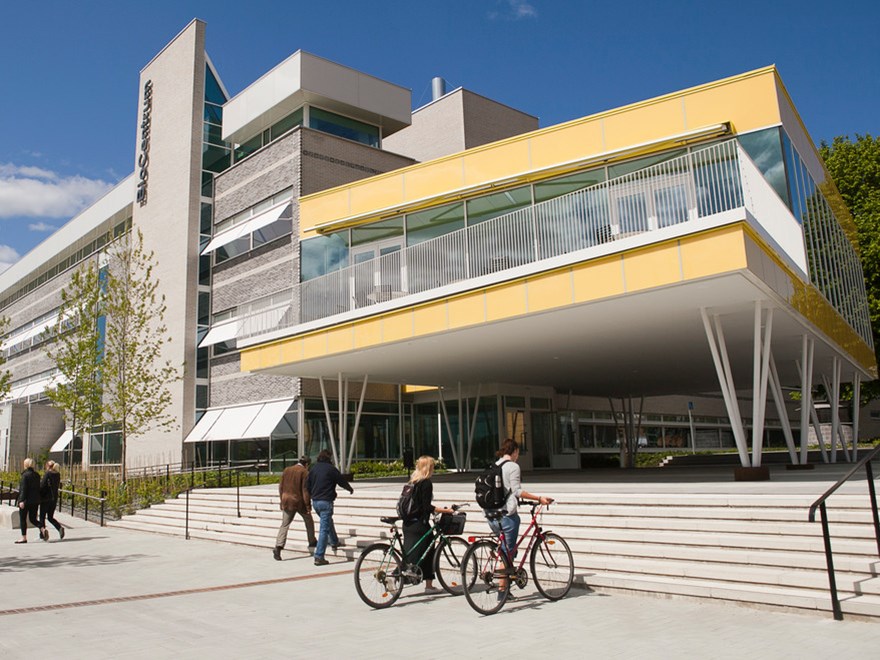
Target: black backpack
{"type": "Point", "coordinates": [406, 506]}
{"type": "Point", "coordinates": [489, 487]}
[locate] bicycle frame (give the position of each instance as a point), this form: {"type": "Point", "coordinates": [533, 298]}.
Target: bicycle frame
{"type": "Point", "coordinates": [397, 543]}
{"type": "Point", "coordinates": [538, 533]}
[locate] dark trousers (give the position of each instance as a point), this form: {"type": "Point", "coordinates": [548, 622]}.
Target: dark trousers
{"type": "Point", "coordinates": [29, 511]}
{"type": "Point", "coordinates": [412, 532]}
{"type": "Point", "coordinates": [47, 512]}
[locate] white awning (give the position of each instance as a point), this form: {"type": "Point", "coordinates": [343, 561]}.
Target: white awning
{"type": "Point", "coordinates": [62, 442]}
{"type": "Point", "coordinates": [254, 420]}
{"type": "Point", "coordinates": [248, 226]}
{"type": "Point", "coordinates": [222, 332]}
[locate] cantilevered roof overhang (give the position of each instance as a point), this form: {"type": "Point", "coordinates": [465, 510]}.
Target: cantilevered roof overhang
{"type": "Point", "coordinates": [625, 324]}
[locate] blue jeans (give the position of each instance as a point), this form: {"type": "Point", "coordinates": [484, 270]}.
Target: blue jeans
{"type": "Point", "coordinates": [510, 526]}
{"type": "Point", "coordinates": [324, 509]}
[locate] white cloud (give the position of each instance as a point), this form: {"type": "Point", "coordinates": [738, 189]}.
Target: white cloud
{"type": "Point", "coordinates": [39, 193]}
{"type": "Point", "coordinates": [41, 226]}
{"type": "Point", "coordinates": [515, 10]}
{"type": "Point", "coordinates": [8, 256]}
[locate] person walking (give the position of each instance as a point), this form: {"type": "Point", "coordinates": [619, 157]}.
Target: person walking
{"type": "Point", "coordinates": [511, 476]}
{"type": "Point", "coordinates": [294, 491]}
{"type": "Point", "coordinates": [28, 498]}
{"type": "Point", "coordinates": [50, 484]}
{"type": "Point", "coordinates": [323, 480]}
{"type": "Point", "coordinates": [415, 528]}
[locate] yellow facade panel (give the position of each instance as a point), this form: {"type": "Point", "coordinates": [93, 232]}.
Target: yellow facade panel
{"type": "Point", "coordinates": [599, 279]}
{"type": "Point", "coordinates": [381, 193]}
{"type": "Point", "coordinates": [644, 123]}
{"type": "Point", "coordinates": [550, 291]}
{"type": "Point", "coordinates": [314, 345]}
{"type": "Point", "coordinates": [289, 351]}
{"type": "Point", "coordinates": [253, 358]}
{"type": "Point", "coordinates": [496, 163]}
{"type": "Point", "coordinates": [466, 310]}
{"type": "Point", "coordinates": [397, 326]}
{"type": "Point", "coordinates": [572, 142]}
{"type": "Point", "coordinates": [727, 102]}
{"type": "Point", "coordinates": [506, 301]}
{"type": "Point", "coordinates": [651, 267]}
{"type": "Point", "coordinates": [429, 319]}
{"type": "Point", "coordinates": [324, 207]}
{"type": "Point", "coordinates": [367, 333]}
{"type": "Point", "coordinates": [719, 251]}
{"type": "Point", "coordinates": [425, 182]}
{"type": "Point", "coordinates": [340, 339]}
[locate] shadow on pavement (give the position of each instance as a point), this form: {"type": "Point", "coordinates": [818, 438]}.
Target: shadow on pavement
{"type": "Point", "coordinates": [16, 564]}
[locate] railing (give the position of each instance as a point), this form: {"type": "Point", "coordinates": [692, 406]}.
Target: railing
{"type": "Point", "coordinates": [238, 469]}
{"type": "Point", "coordinates": [167, 470]}
{"type": "Point", "coordinates": [9, 493]}
{"type": "Point", "coordinates": [683, 189]}
{"type": "Point", "coordinates": [826, 534]}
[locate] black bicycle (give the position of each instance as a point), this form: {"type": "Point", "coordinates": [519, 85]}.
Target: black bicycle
{"type": "Point", "coordinates": [381, 572]}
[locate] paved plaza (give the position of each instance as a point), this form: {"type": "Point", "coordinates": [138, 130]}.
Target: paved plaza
{"type": "Point", "coordinates": [112, 593]}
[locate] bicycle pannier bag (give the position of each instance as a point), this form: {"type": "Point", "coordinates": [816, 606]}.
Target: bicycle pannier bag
{"type": "Point", "coordinates": [489, 487]}
{"type": "Point", "coordinates": [406, 507]}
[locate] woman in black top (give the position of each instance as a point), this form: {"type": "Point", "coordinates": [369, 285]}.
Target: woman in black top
{"type": "Point", "coordinates": [28, 498]}
{"type": "Point", "coordinates": [414, 529]}
{"type": "Point", "coordinates": [49, 487]}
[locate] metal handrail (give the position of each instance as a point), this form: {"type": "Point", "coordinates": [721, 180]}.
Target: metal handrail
{"type": "Point", "coordinates": [238, 469]}
{"type": "Point", "coordinates": [826, 534]}
{"type": "Point", "coordinates": [102, 499]}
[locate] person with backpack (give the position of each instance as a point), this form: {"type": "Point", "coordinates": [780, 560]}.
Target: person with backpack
{"type": "Point", "coordinates": [511, 483]}
{"type": "Point", "coordinates": [415, 509]}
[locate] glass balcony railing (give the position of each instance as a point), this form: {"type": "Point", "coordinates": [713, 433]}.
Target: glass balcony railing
{"type": "Point", "coordinates": [688, 189]}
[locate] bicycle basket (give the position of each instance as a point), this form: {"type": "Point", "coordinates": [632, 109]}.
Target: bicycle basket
{"type": "Point", "coordinates": [451, 523]}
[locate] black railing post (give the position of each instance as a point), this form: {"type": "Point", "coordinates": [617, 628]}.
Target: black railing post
{"type": "Point", "coordinates": [103, 500]}
{"type": "Point", "coordinates": [238, 491]}
{"type": "Point", "coordinates": [192, 474]}
{"type": "Point", "coordinates": [86, 518]}
{"type": "Point", "coordinates": [869, 471]}
{"type": "Point", "coordinates": [167, 475]}
{"type": "Point", "coordinates": [258, 474]}
{"type": "Point", "coordinates": [832, 582]}
{"type": "Point", "coordinates": [186, 534]}
{"type": "Point", "coordinates": [72, 496]}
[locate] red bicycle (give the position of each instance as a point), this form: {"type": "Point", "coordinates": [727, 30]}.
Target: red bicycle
{"type": "Point", "coordinates": [486, 567]}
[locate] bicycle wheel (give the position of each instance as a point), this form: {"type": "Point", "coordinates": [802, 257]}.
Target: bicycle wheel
{"type": "Point", "coordinates": [378, 575]}
{"type": "Point", "coordinates": [552, 566]}
{"type": "Point", "coordinates": [481, 567]}
{"type": "Point", "coordinates": [448, 560]}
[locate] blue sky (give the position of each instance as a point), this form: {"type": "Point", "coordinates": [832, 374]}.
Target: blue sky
{"type": "Point", "coordinates": [69, 70]}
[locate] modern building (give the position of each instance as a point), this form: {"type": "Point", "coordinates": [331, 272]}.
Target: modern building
{"type": "Point", "coordinates": [341, 271]}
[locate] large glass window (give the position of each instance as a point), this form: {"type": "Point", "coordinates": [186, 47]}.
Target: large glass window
{"type": "Point", "coordinates": [432, 223]}
{"type": "Point", "coordinates": [481, 209]}
{"type": "Point", "coordinates": [329, 122]}
{"type": "Point", "coordinates": [765, 149]}
{"type": "Point", "coordinates": [567, 184]}
{"type": "Point", "coordinates": [323, 254]}
{"type": "Point", "coordinates": [377, 231]}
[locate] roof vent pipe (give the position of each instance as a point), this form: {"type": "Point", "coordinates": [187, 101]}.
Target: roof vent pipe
{"type": "Point", "coordinates": [438, 88]}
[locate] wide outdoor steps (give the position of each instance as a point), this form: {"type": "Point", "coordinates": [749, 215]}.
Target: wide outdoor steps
{"type": "Point", "coordinates": [754, 549]}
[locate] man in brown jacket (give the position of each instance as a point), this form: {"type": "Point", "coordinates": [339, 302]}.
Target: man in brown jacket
{"type": "Point", "coordinates": [294, 491]}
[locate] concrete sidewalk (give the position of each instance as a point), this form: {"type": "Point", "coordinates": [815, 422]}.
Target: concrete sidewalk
{"type": "Point", "coordinates": [105, 593]}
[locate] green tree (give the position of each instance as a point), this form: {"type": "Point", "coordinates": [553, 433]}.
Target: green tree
{"type": "Point", "coordinates": [5, 376]}
{"type": "Point", "coordinates": [136, 394]}
{"type": "Point", "coordinates": [855, 168]}
{"type": "Point", "coordinates": [77, 352]}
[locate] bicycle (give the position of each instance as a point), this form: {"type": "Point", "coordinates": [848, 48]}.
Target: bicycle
{"type": "Point", "coordinates": [380, 572]}
{"type": "Point", "coordinates": [486, 563]}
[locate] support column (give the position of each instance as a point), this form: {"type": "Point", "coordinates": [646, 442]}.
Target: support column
{"type": "Point", "coordinates": [473, 428]}
{"type": "Point", "coordinates": [779, 400]}
{"type": "Point", "coordinates": [452, 441]}
{"type": "Point", "coordinates": [806, 372]}
{"type": "Point", "coordinates": [761, 360]}
{"type": "Point", "coordinates": [725, 381]}
{"type": "Point", "coordinates": [357, 423]}
{"type": "Point", "coordinates": [329, 423]}
{"type": "Point", "coordinates": [857, 398]}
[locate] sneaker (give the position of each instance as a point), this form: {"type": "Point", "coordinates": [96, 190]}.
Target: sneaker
{"type": "Point", "coordinates": [313, 544]}
{"type": "Point", "coordinates": [21, 541]}
{"type": "Point", "coordinates": [321, 561]}
{"type": "Point", "coordinates": [429, 591]}
{"type": "Point", "coordinates": [61, 533]}
{"type": "Point", "coordinates": [335, 547]}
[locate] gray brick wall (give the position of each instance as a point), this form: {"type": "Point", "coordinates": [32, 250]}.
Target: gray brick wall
{"type": "Point", "coordinates": [229, 386]}
{"type": "Point", "coordinates": [486, 120]}
{"type": "Point", "coordinates": [268, 269]}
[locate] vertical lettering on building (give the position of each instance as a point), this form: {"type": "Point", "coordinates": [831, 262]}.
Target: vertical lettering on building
{"type": "Point", "coordinates": [143, 161]}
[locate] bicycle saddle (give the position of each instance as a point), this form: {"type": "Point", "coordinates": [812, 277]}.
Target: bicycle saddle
{"type": "Point", "coordinates": [389, 520]}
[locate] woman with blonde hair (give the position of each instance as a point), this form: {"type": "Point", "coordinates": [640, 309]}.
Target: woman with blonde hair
{"type": "Point", "coordinates": [49, 487]}
{"type": "Point", "coordinates": [417, 525]}
{"type": "Point", "coordinates": [28, 498]}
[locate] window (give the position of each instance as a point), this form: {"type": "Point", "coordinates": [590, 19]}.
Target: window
{"type": "Point", "coordinates": [425, 225]}
{"type": "Point", "coordinates": [330, 122]}
{"type": "Point", "coordinates": [481, 209]}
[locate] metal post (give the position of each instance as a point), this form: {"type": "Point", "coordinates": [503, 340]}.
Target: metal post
{"type": "Point", "coordinates": [167, 474]}
{"type": "Point", "coordinates": [869, 471]}
{"type": "Point", "coordinates": [86, 517]}
{"type": "Point", "coordinates": [192, 475]}
{"type": "Point", "coordinates": [186, 532]}
{"type": "Point", "coordinates": [835, 601]}
{"type": "Point", "coordinates": [103, 498]}
{"type": "Point", "coordinates": [238, 492]}
{"type": "Point", "coordinates": [72, 497]}
{"type": "Point", "coordinates": [258, 474]}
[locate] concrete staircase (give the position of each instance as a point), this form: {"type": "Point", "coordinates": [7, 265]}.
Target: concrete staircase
{"type": "Point", "coordinates": [750, 548]}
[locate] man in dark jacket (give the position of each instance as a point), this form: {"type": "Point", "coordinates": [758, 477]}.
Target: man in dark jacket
{"type": "Point", "coordinates": [323, 480]}
{"type": "Point", "coordinates": [28, 498]}
{"type": "Point", "coordinates": [294, 491]}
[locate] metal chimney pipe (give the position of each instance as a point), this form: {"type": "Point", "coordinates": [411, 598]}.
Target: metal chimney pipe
{"type": "Point", "coordinates": [438, 87]}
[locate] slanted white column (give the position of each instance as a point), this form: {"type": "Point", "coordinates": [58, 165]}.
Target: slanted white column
{"type": "Point", "coordinates": [357, 423]}
{"type": "Point", "coordinates": [725, 381]}
{"type": "Point", "coordinates": [779, 400]}
{"type": "Point", "coordinates": [329, 423]}
{"type": "Point", "coordinates": [452, 441]}
{"type": "Point", "coordinates": [473, 428]}
{"type": "Point", "coordinates": [806, 372]}
{"type": "Point", "coordinates": [761, 361]}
